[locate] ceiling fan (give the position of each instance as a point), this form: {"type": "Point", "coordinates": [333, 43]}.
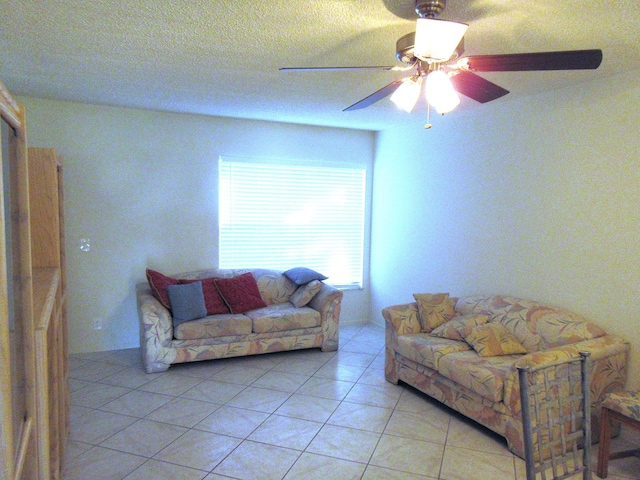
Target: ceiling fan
{"type": "Point", "coordinates": [433, 55]}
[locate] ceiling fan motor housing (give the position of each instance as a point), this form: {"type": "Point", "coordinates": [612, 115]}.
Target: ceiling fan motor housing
{"type": "Point", "coordinates": [405, 46]}
{"type": "Point", "coordinates": [430, 8]}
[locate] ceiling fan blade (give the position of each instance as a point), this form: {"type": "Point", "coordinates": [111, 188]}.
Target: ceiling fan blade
{"type": "Point", "coordinates": [334, 69]}
{"type": "Point", "coordinates": [374, 97]}
{"type": "Point", "coordinates": [476, 87]}
{"type": "Point", "coordinates": [522, 62]}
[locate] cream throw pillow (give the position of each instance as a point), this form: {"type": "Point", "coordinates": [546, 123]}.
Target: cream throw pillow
{"type": "Point", "coordinates": [450, 329]}
{"type": "Point", "coordinates": [434, 309]}
{"type": "Point", "coordinates": [304, 293]}
{"type": "Point", "coordinates": [492, 340]}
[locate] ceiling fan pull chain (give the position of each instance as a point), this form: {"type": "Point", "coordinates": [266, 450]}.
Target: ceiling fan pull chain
{"type": "Point", "coordinates": [428, 124]}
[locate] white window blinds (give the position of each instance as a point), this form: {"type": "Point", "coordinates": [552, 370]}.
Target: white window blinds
{"type": "Point", "coordinates": [284, 215]}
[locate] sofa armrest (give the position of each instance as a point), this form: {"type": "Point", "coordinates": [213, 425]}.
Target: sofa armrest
{"type": "Point", "coordinates": [156, 331]}
{"type": "Point", "coordinates": [328, 302]}
{"type": "Point", "coordinates": [402, 319]}
{"type": "Point", "coordinates": [608, 367]}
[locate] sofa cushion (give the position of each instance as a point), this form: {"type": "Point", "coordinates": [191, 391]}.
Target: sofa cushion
{"type": "Point", "coordinates": [240, 293]}
{"type": "Point", "coordinates": [283, 316]}
{"type": "Point", "coordinates": [426, 350]}
{"type": "Point", "coordinates": [187, 302]}
{"type": "Point", "coordinates": [159, 283]}
{"type": "Point", "coordinates": [491, 340]}
{"type": "Point", "coordinates": [482, 375]}
{"type": "Point", "coordinates": [434, 309]}
{"type": "Point", "coordinates": [305, 293]}
{"type": "Point", "coordinates": [302, 275]}
{"type": "Point", "coordinates": [450, 329]}
{"type": "Point", "coordinates": [214, 326]}
{"type": "Point", "coordinates": [212, 298]}
{"type": "Point", "coordinates": [274, 286]}
{"type": "Point", "coordinates": [559, 327]}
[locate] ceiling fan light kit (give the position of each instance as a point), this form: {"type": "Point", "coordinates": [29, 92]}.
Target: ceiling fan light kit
{"type": "Point", "coordinates": [407, 94]}
{"type": "Point", "coordinates": [440, 92]}
{"type": "Point", "coordinates": [432, 51]}
{"type": "Point", "coordinates": [436, 40]}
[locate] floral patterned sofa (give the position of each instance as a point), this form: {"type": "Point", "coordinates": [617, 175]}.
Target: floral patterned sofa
{"type": "Point", "coordinates": [464, 352]}
{"type": "Point", "coordinates": [278, 326]}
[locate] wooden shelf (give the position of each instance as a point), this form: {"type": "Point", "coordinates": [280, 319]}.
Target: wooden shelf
{"type": "Point", "coordinates": [49, 309]}
{"type": "Point", "coordinates": [45, 286]}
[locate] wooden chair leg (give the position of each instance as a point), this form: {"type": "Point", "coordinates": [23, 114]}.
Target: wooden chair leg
{"type": "Point", "coordinates": [605, 444]}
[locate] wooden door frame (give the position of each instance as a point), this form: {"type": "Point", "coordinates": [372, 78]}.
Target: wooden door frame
{"type": "Point", "coordinates": [14, 462]}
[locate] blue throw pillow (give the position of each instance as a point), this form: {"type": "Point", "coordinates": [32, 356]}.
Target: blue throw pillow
{"type": "Point", "coordinates": [187, 302]}
{"type": "Point", "coordinates": [302, 275]}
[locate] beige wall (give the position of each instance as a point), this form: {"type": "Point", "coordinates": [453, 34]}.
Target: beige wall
{"type": "Point", "coordinates": [537, 197]}
{"type": "Point", "coordinates": [142, 186]}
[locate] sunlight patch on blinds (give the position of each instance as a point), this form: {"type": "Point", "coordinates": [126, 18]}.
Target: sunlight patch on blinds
{"type": "Point", "coordinates": [285, 215]}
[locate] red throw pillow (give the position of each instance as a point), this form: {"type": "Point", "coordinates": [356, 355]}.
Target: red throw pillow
{"type": "Point", "coordinates": [212, 298]}
{"type": "Point", "coordinates": [159, 283]}
{"type": "Point", "coordinates": [240, 293]}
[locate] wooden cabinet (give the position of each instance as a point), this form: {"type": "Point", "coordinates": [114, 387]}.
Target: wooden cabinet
{"type": "Point", "coordinates": [46, 218]}
{"type": "Point", "coordinates": [34, 398]}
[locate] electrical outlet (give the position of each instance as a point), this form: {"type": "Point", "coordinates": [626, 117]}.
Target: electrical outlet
{"type": "Point", "coordinates": [97, 323]}
{"type": "Point", "coordinates": [85, 244]}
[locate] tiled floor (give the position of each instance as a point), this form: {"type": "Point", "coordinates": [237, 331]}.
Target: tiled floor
{"type": "Point", "coordinates": [295, 415]}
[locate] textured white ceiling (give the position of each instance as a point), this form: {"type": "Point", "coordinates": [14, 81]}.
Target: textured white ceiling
{"type": "Point", "coordinates": [222, 57]}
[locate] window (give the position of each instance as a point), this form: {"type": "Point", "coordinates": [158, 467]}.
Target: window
{"type": "Point", "coordinates": [283, 215]}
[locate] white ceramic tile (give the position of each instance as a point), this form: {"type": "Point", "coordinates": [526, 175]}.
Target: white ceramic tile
{"type": "Point", "coordinates": [283, 381]}
{"type": "Point", "coordinates": [412, 400]}
{"type": "Point", "coordinates": [236, 422]}
{"type": "Point", "coordinates": [171, 384]}
{"type": "Point", "coordinates": [353, 358]}
{"type": "Point", "coordinates": [238, 374]}
{"type": "Point", "coordinates": [204, 369]}
{"type": "Point", "coordinates": [426, 426]}
{"type": "Point", "coordinates": [130, 377]}
{"type": "Point", "coordinates": [261, 362]}
{"type": "Point", "coordinates": [319, 467]}
{"type": "Point", "coordinates": [96, 426]}
{"type": "Point", "coordinates": [154, 469]}
{"type": "Point", "coordinates": [260, 399]}
{"type": "Point", "coordinates": [286, 432]}
{"type": "Point", "coordinates": [145, 437]}
{"type": "Point", "coordinates": [308, 408]}
{"type": "Point", "coordinates": [95, 395]}
{"type": "Point", "coordinates": [199, 450]}
{"type": "Point", "coordinates": [464, 464]}
{"type": "Point", "coordinates": [74, 449]}
{"type": "Point", "coordinates": [94, 371]}
{"type": "Point", "coordinates": [76, 384]}
{"type": "Point", "coordinates": [363, 417]}
{"type": "Point", "coordinates": [379, 396]}
{"type": "Point", "coordinates": [214, 392]}
{"type": "Point", "coordinates": [339, 416]}
{"type": "Point", "coordinates": [300, 365]}
{"type": "Point", "coordinates": [375, 376]}
{"type": "Point", "coordinates": [183, 412]}
{"type": "Point", "coordinates": [370, 346]}
{"type": "Point", "coordinates": [253, 460]}
{"type": "Point", "coordinates": [326, 388]}
{"type": "Point", "coordinates": [378, 473]}
{"type": "Point", "coordinates": [102, 464]}
{"type": "Point", "coordinates": [466, 433]}
{"type": "Point", "coordinates": [128, 357]}
{"type": "Point", "coordinates": [412, 456]}
{"type": "Point", "coordinates": [346, 443]}
{"type": "Point", "coordinates": [337, 371]}
{"type": "Point", "coordinates": [137, 403]}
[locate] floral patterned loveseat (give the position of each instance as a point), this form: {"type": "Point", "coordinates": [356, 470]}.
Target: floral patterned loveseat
{"type": "Point", "coordinates": [482, 385]}
{"type": "Point", "coordinates": [279, 326]}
